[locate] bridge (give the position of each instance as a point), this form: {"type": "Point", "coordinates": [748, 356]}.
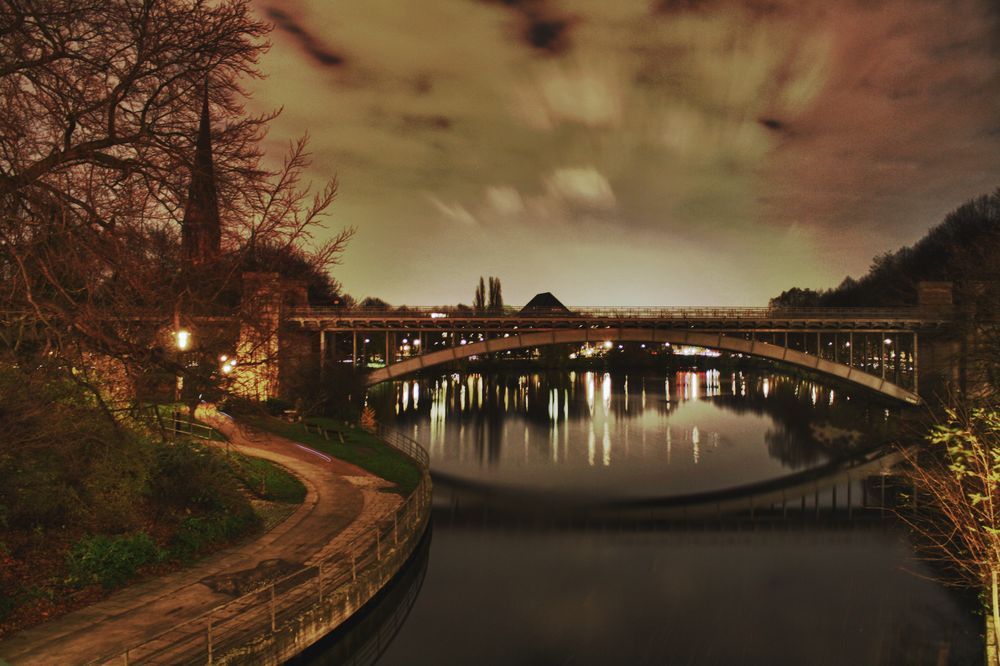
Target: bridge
{"type": "Point", "coordinates": [877, 349]}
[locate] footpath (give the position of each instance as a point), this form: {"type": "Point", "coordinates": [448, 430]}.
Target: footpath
{"type": "Point", "coordinates": [342, 500]}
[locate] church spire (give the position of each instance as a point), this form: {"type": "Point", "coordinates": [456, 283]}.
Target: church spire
{"type": "Point", "coordinates": [200, 230]}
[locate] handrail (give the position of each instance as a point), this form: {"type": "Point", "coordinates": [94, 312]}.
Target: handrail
{"type": "Point", "coordinates": [255, 613]}
{"type": "Point", "coordinates": [617, 312]}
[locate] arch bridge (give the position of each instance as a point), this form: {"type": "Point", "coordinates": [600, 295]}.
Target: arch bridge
{"type": "Point", "coordinates": [873, 348]}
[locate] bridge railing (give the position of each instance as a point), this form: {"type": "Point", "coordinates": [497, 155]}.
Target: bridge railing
{"type": "Point", "coordinates": [611, 312]}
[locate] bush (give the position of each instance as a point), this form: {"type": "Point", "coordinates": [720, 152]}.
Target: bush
{"type": "Point", "coordinates": [277, 406]}
{"type": "Point", "coordinates": [192, 476]}
{"type": "Point", "coordinates": [197, 533]}
{"type": "Point", "coordinates": [110, 561]}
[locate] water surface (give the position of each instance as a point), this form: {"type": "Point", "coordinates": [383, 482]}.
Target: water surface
{"type": "Point", "coordinates": [628, 434]}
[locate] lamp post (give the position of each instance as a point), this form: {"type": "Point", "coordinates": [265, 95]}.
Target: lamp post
{"type": "Point", "coordinates": [182, 339]}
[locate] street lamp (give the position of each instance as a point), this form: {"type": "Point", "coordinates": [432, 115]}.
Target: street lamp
{"type": "Point", "coordinates": [183, 340]}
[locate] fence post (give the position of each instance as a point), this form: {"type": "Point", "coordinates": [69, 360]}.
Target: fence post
{"type": "Point", "coordinates": [208, 633]}
{"type": "Point", "coordinates": [272, 607]}
{"type": "Point", "coordinates": [209, 653]}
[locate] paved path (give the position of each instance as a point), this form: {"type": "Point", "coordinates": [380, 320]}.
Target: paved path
{"type": "Point", "coordinates": [342, 500]}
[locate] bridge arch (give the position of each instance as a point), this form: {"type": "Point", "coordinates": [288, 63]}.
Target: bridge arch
{"type": "Point", "coordinates": [537, 338]}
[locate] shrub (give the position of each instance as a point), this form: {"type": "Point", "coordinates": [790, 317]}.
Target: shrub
{"type": "Point", "coordinates": [197, 533]}
{"type": "Point", "coordinates": [110, 561]}
{"type": "Point", "coordinates": [191, 476]}
{"type": "Point", "coordinates": [277, 406]}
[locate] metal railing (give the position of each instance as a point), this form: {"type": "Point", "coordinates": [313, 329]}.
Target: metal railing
{"type": "Point", "coordinates": [614, 312]}
{"type": "Point", "coordinates": [348, 577]}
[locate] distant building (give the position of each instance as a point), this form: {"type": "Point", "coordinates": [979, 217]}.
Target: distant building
{"type": "Point", "coordinates": [544, 303]}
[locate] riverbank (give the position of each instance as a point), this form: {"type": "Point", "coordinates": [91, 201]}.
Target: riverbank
{"type": "Point", "coordinates": [179, 613]}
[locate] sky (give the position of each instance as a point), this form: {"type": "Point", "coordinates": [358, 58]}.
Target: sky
{"type": "Point", "coordinates": [636, 152]}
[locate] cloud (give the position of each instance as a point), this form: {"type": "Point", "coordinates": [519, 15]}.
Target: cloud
{"type": "Point", "coordinates": [587, 92]}
{"type": "Point", "coordinates": [580, 188]}
{"type": "Point", "coordinates": [540, 25]}
{"type": "Point", "coordinates": [809, 133]}
{"type": "Point", "coordinates": [309, 43]}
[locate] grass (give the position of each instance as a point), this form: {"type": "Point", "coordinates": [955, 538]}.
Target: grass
{"type": "Point", "coordinates": [359, 447]}
{"type": "Point", "coordinates": [268, 481]}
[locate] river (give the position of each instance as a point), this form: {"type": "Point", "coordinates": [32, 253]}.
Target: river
{"type": "Point", "coordinates": [780, 592]}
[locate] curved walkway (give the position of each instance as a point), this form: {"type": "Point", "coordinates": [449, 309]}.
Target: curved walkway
{"type": "Point", "coordinates": [341, 501]}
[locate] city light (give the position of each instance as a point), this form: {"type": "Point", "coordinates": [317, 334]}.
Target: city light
{"type": "Point", "coordinates": [183, 339]}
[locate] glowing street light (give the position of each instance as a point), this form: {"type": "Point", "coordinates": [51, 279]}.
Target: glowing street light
{"type": "Point", "coordinates": [183, 339]}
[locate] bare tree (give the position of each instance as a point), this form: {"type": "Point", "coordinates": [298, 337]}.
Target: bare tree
{"type": "Point", "coordinates": [101, 108]}
{"type": "Point", "coordinates": [958, 481]}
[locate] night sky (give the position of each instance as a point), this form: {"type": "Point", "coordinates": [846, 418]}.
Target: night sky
{"type": "Point", "coordinates": [633, 152]}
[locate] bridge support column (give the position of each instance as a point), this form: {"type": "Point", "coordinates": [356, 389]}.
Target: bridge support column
{"type": "Point", "coordinates": [354, 342]}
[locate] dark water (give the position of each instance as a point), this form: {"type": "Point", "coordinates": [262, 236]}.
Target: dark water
{"type": "Point", "coordinates": [497, 593]}
{"type": "Point", "coordinates": [763, 597]}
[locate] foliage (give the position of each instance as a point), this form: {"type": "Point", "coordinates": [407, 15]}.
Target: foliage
{"type": "Point", "coordinates": [960, 477]}
{"type": "Point", "coordinates": [292, 263]}
{"type": "Point", "coordinates": [374, 303]}
{"type": "Point", "coordinates": [62, 460]}
{"type": "Point", "coordinates": [798, 298]}
{"type": "Point", "coordinates": [495, 302]}
{"type": "Point", "coordinates": [964, 248]}
{"type": "Point", "coordinates": [189, 476]}
{"type": "Point", "coordinates": [336, 390]}
{"type": "Point", "coordinates": [196, 534]}
{"type": "Point", "coordinates": [488, 299]}
{"type": "Point", "coordinates": [110, 561]}
{"type": "Point", "coordinates": [268, 480]}
{"type": "Point", "coordinates": [479, 299]}
{"type": "Point", "coordinates": [368, 419]}
{"type": "Point", "coordinates": [277, 406]}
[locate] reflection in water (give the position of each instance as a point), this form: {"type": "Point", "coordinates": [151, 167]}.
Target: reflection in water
{"type": "Point", "coordinates": [566, 430]}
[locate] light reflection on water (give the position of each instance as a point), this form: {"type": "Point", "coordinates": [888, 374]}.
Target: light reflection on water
{"type": "Point", "coordinates": [585, 431]}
